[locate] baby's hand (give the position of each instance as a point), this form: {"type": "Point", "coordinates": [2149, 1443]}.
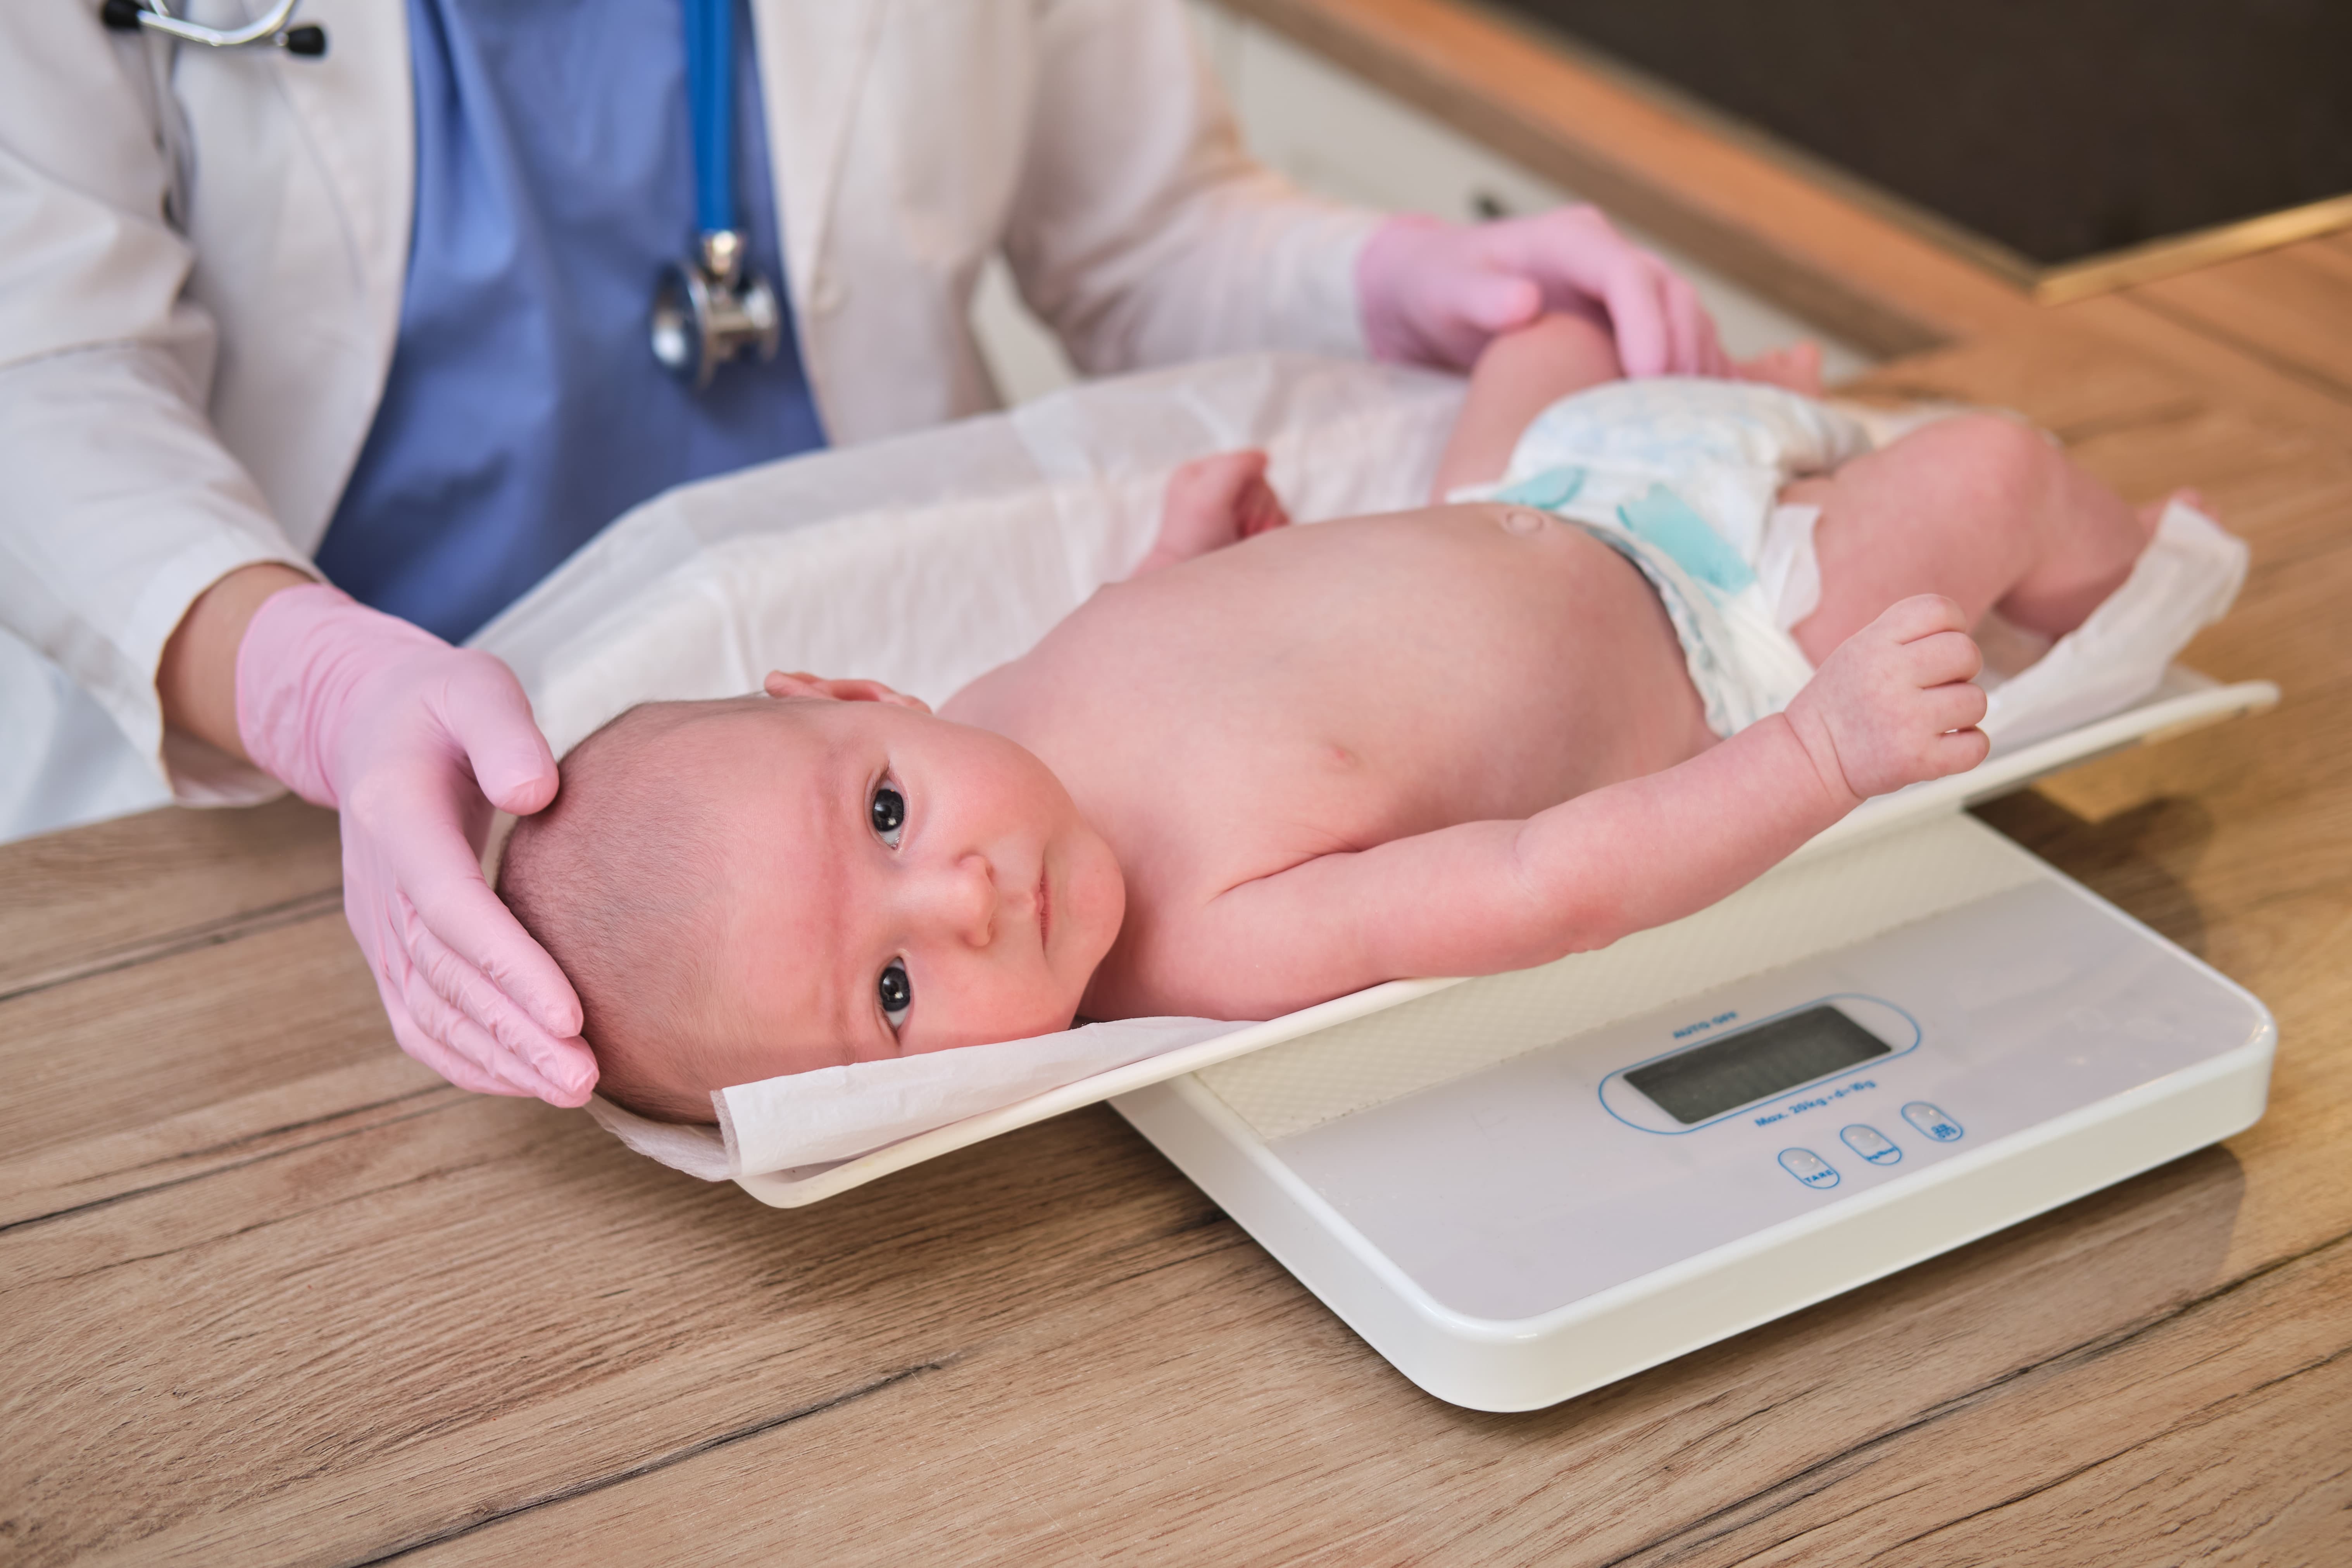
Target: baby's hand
{"type": "Point", "coordinates": [1213, 503]}
{"type": "Point", "coordinates": [1893, 704]}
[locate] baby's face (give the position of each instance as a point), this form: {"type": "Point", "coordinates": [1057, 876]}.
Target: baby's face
{"type": "Point", "coordinates": [897, 883]}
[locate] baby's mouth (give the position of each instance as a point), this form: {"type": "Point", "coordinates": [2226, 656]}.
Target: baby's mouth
{"type": "Point", "coordinates": [1045, 912]}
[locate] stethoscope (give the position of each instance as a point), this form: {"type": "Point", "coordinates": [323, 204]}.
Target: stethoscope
{"type": "Point", "coordinates": [708, 309]}
{"type": "Point", "coordinates": [155, 15]}
{"type": "Point", "coordinates": [711, 307]}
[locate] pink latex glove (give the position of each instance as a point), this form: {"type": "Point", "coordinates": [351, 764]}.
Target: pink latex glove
{"type": "Point", "coordinates": [406, 736]}
{"type": "Point", "coordinates": [1434, 293]}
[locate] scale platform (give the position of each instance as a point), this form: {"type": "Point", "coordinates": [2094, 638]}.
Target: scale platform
{"type": "Point", "coordinates": [1523, 1187]}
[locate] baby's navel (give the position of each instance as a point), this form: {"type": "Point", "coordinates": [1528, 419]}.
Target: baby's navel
{"type": "Point", "coordinates": [1520, 520]}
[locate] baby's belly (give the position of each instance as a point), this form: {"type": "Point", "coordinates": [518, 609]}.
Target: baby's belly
{"type": "Point", "coordinates": [1459, 665]}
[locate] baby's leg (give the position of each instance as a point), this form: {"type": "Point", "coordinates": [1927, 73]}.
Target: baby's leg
{"type": "Point", "coordinates": [1977, 508]}
{"type": "Point", "coordinates": [1520, 373]}
{"type": "Point", "coordinates": [1517, 377]}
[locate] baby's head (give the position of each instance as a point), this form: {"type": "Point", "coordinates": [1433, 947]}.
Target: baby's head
{"type": "Point", "coordinates": [764, 885]}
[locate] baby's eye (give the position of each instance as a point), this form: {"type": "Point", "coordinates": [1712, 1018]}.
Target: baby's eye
{"type": "Point", "coordinates": [898, 993]}
{"type": "Point", "coordinates": [888, 812]}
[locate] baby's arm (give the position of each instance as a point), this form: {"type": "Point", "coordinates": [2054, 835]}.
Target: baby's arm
{"type": "Point", "coordinates": [1892, 706]}
{"type": "Point", "coordinates": [1212, 502]}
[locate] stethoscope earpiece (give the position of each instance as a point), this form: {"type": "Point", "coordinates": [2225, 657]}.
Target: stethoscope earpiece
{"type": "Point", "coordinates": [155, 17]}
{"type": "Point", "coordinates": [709, 308]}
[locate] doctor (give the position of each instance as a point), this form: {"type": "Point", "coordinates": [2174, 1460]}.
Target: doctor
{"type": "Point", "coordinates": [385, 316]}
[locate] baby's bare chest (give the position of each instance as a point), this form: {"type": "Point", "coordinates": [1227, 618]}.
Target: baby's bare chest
{"type": "Point", "coordinates": [1338, 685]}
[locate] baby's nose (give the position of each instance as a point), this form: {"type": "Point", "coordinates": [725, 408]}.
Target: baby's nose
{"type": "Point", "coordinates": [963, 898]}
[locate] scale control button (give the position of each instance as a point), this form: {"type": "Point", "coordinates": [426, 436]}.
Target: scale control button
{"type": "Point", "coordinates": [1808, 1167]}
{"type": "Point", "coordinates": [1872, 1144]}
{"type": "Point", "coordinates": [1936, 1124]}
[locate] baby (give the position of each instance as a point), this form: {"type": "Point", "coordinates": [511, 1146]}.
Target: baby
{"type": "Point", "coordinates": [1699, 623]}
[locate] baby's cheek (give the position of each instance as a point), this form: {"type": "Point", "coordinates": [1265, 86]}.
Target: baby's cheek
{"type": "Point", "coordinates": [1046, 1008]}
{"type": "Point", "coordinates": [986, 1010]}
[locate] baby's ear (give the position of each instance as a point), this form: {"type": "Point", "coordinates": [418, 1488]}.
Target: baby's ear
{"type": "Point", "coordinates": [800, 683]}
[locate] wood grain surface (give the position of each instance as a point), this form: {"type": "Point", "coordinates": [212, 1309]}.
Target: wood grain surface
{"type": "Point", "coordinates": [270, 1294]}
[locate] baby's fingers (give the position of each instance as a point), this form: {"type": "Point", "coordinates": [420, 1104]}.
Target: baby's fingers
{"type": "Point", "coordinates": [1941, 658]}
{"type": "Point", "coordinates": [1259, 509]}
{"type": "Point", "coordinates": [1220, 477]}
{"type": "Point", "coordinates": [1958, 705]}
{"type": "Point", "coordinates": [1958, 751]}
{"type": "Point", "coordinates": [1921, 616]}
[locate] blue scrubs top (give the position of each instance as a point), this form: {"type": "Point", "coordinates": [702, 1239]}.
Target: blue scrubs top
{"type": "Point", "coordinates": [524, 410]}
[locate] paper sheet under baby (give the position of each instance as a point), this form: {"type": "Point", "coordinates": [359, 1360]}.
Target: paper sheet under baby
{"type": "Point", "coordinates": [926, 559]}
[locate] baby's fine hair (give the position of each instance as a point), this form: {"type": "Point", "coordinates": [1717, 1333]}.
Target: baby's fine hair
{"type": "Point", "coordinates": [616, 880]}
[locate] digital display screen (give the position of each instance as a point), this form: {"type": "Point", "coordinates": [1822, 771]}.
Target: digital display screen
{"type": "Point", "coordinates": [1755, 1064]}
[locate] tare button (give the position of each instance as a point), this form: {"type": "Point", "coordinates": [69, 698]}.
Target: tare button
{"type": "Point", "coordinates": [1933, 1121]}
{"type": "Point", "coordinates": [1808, 1167]}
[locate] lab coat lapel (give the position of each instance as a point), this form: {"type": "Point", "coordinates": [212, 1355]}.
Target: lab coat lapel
{"type": "Point", "coordinates": [357, 109]}
{"type": "Point", "coordinates": [812, 59]}
{"type": "Point", "coordinates": [304, 187]}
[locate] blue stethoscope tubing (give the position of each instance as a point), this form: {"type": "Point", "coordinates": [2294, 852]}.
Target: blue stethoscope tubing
{"type": "Point", "coordinates": [712, 307]}
{"type": "Point", "coordinates": [710, 107]}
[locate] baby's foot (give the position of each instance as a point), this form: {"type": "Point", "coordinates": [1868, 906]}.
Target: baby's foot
{"type": "Point", "coordinates": [1796, 368]}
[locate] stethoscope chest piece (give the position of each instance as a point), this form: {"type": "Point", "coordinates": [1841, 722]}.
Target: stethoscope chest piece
{"type": "Point", "coordinates": [711, 307]}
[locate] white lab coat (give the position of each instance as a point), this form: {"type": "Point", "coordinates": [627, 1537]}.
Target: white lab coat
{"type": "Point", "coordinates": [180, 400]}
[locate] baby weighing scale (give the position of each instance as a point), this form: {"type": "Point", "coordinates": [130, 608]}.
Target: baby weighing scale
{"type": "Point", "coordinates": [1913, 1033]}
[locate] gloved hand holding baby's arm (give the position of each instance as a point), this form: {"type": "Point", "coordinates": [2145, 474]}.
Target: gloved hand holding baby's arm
{"type": "Point", "coordinates": [1434, 293]}
{"type": "Point", "coordinates": [413, 740]}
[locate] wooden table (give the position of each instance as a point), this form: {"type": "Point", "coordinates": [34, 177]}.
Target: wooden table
{"type": "Point", "coordinates": [271, 1293]}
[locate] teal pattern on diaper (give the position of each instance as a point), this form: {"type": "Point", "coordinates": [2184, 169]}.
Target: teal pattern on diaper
{"type": "Point", "coordinates": [1665, 522]}
{"type": "Point", "coordinates": [1552, 489]}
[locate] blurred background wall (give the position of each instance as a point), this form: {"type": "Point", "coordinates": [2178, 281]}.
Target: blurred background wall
{"type": "Point", "coordinates": [1332, 134]}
